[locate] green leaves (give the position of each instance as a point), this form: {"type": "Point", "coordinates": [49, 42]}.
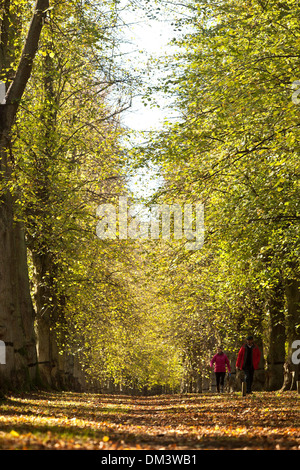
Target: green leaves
{"type": "Point", "coordinates": [235, 148]}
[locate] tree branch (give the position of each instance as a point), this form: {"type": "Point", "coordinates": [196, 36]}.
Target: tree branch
{"type": "Point", "coordinates": [17, 87]}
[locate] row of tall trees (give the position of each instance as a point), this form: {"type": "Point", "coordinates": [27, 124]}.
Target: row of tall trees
{"type": "Point", "coordinates": [235, 148]}
{"type": "Point", "coordinates": [77, 311]}
{"type": "Point", "coordinates": [60, 159]}
{"type": "Point", "coordinates": [15, 302]}
{"type": "Point", "coordinates": [73, 308]}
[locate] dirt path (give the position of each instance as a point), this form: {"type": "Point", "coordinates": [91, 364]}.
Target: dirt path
{"type": "Point", "coordinates": [168, 422]}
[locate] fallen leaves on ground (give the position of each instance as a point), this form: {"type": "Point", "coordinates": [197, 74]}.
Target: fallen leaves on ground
{"type": "Point", "coordinates": [64, 420]}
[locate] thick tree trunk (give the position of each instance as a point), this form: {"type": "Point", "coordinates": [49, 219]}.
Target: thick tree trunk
{"type": "Point", "coordinates": [291, 371]}
{"type": "Point", "coordinates": [25, 301]}
{"type": "Point", "coordinates": [16, 310]}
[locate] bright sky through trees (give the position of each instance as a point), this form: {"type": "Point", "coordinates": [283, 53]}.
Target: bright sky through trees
{"type": "Point", "coordinates": [146, 42]}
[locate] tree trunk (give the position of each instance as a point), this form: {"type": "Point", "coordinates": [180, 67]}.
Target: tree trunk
{"type": "Point", "coordinates": [259, 379]}
{"type": "Point", "coordinates": [16, 312]}
{"type": "Point", "coordinates": [277, 338]}
{"type": "Point", "coordinates": [291, 371]}
{"type": "Point", "coordinates": [48, 307]}
{"type": "Point", "coordinates": [47, 313]}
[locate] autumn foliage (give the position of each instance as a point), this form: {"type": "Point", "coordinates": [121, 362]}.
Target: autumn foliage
{"type": "Point", "coordinates": [51, 421]}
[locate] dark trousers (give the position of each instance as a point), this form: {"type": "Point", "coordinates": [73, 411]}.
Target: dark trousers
{"type": "Point", "coordinates": [248, 378]}
{"type": "Point", "coordinates": [220, 376]}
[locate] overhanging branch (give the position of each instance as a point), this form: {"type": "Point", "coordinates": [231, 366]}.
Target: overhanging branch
{"type": "Point", "coordinates": [23, 72]}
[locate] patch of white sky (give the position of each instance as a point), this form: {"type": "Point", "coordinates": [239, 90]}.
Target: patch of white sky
{"type": "Point", "coordinates": [146, 43]}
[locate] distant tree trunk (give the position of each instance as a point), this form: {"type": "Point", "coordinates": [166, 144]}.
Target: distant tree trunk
{"type": "Point", "coordinates": [16, 311]}
{"type": "Point", "coordinates": [47, 314]}
{"type": "Point", "coordinates": [291, 371]}
{"type": "Point", "coordinates": [74, 376]}
{"type": "Point", "coordinates": [259, 380]}
{"type": "Point", "coordinates": [257, 313]}
{"type": "Point", "coordinates": [277, 338]}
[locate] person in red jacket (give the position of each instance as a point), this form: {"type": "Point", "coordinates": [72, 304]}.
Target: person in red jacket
{"type": "Point", "coordinates": [248, 361]}
{"type": "Point", "coordinates": [220, 360]}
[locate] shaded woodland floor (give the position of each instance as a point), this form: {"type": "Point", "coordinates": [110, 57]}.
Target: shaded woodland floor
{"type": "Point", "coordinates": [63, 420]}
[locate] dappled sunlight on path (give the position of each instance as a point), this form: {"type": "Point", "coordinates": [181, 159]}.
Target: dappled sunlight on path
{"type": "Point", "coordinates": [92, 421]}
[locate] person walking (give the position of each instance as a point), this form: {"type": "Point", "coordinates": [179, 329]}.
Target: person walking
{"type": "Point", "coordinates": [220, 361]}
{"type": "Point", "coordinates": [248, 361]}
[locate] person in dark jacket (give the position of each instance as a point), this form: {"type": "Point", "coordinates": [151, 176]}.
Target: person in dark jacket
{"type": "Point", "coordinates": [248, 361]}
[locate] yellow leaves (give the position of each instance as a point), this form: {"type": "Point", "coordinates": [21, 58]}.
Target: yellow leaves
{"type": "Point", "coordinates": [78, 421]}
{"type": "Point", "coordinates": [227, 430]}
{"type": "Point", "coordinates": [239, 430]}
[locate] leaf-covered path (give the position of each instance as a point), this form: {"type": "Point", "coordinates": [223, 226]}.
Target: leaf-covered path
{"type": "Point", "coordinates": [172, 422]}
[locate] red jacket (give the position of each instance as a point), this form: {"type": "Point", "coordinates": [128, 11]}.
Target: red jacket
{"type": "Point", "coordinates": [255, 357]}
{"type": "Point", "coordinates": [220, 361]}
